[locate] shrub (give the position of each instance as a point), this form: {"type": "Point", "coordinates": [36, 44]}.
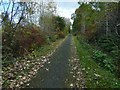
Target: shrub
{"type": "Point", "coordinates": [61, 34]}
{"type": "Point", "coordinates": [21, 42]}
{"type": "Point", "coordinates": [103, 60]}
{"type": "Point", "coordinates": [28, 39]}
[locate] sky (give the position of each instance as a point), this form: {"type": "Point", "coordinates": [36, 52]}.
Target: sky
{"type": "Point", "coordinates": [65, 9]}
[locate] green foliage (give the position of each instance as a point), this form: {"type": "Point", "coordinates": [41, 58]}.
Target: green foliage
{"type": "Point", "coordinates": [94, 20]}
{"type": "Point", "coordinates": [95, 76]}
{"type": "Point", "coordinates": [61, 34]}
{"type": "Point", "coordinates": [52, 38]}
{"type": "Point", "coordinates": [109, 44]}
{"type": "Point", "coordinates": [21, 42]}
{"type": "Point", "coordinates": [59, 23]}
{"type": "Point", "coordinates": [85, 19]}
{"type": "Point", "coordinates": [106, 43]}
{"type": "Point", "coordinates": [104, 60]}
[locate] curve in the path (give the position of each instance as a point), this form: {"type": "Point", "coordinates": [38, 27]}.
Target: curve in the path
{"type": "Point", "coordinates": [53, 75]}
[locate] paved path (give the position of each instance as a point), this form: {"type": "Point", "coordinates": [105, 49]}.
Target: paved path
{"type": "Point", "coordinates": [54, 75]}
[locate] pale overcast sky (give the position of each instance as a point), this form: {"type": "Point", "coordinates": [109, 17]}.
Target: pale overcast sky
{"type": "Point", "coordinates": [65, 9]}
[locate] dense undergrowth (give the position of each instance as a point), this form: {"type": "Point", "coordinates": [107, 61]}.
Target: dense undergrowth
{"type": "Point", "coordinates": [24, 41]}
{"type": "Point", "coordinates": [99, 68]}
{"type": "Point", "coordinates": [22, 48]}
{"type": "Point", "coordinates": [111, 46]}
{"type": "Point", "coordinates": [100, 27]}
{"type": "Point", "coordinates": [16, 70]}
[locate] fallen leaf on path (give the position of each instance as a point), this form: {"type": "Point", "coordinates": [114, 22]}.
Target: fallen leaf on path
{"type": "Point", "coordinates": [47, 69]}
{"type": "Point", "coordinates": [83, 69]}
{"type": "Point", "coordinates": [78, 79]}
{"type": "Point", "coordinates": [71, 85]}
{"type": "Point", "coordinates": [42, 66]}
{"type": "Point", "coordinates": [28, 84]}
{"type": "Point", "coordinates": [73, 75]}
{"type": "Point", "coordinates": [74, 68]}
{"type": "Point", "coordinates": [48, 62]}
{"type": "Point", "coordinates": [78, 72]}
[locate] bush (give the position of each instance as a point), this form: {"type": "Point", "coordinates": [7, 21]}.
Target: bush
{"type": "Point", "coordinates": [9, 44]}
{"type": "Point", "coordinates": [29, 38]}
{"type": "Point", "coordinates": [53, 38]}
{"type": "Point", "coordinates": [22, 41]}
{"type": "Point", "coordinates": [61, 35]}
{"type": "Point", "coordinates": [103, 60]}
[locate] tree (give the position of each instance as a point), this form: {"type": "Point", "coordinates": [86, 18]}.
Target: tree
{"type": "Point", "coordinates": [99, 23]}
{"type": "Point", "coordinates": [59, 23]}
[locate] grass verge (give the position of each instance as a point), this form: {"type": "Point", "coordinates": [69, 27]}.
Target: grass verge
{"type": "Point", "coordinates": [95, 76]}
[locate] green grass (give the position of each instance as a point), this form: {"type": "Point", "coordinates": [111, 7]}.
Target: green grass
{"type": "Point", "coordinates": [95, 76]}
{"type": "Point", "coordinates": [45, 49]}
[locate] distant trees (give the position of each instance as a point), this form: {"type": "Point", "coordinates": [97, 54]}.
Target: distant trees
{"type": "Point", "coordinates": [48, 11]}
{"type": "Point", "coordinates": [59, 23]}
{"type": "Point", "coordinates": [86, 17]}
{"type": "Point", "coordinates": [62, 26]}
{"type": "Point", "coordinates": [68, 24]}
